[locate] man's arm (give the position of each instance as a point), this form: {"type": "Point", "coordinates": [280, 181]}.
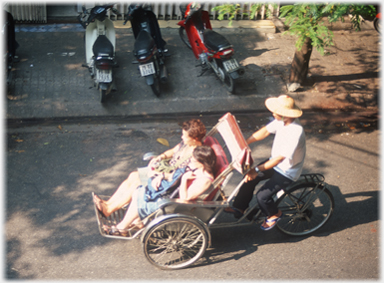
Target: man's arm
{"type": "Point", "coordinates": [258, 135]}
{"type": "Point", "coordinates": [262, 167]}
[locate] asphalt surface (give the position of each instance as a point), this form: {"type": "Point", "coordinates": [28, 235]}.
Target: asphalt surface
{"type": "Point", "coordinates": [51, 231]}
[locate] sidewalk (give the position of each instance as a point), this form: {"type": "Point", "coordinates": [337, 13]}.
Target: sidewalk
{"type": "Point", "coordinates": [49, 81]}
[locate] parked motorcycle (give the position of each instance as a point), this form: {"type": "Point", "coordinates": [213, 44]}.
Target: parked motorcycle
{"type": "Point", "coordinates": [149, 45]}
{"type": "Point", "coordinates": [100, 43]}
{"type": "Point", "coordinates": [212, 49]}
{"type": "Point", "coordinates": [9, 35]}
{"type": "Point", "coordinates": [377, 22]}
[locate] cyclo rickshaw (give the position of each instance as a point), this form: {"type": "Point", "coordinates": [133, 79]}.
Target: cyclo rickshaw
{"type": "Point", "coordinates": [178, 233]}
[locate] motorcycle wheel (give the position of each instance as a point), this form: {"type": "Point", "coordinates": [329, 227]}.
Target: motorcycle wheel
{"type": "Point", "coordinates": [156, 86]}
{"type": "Point", "coordinates": [184, 37]}
{"type": "Point", "coordinates": [229, 83]}
{"type": "Point", "coordinates": [376, 24]}
{"type": "Point", "coordinates": [103, 95]}
{"type": "Point", "coordinates": [226, 79]}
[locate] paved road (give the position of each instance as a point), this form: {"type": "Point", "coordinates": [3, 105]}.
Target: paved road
{"type": "Point", "coordinates": [51, 231]}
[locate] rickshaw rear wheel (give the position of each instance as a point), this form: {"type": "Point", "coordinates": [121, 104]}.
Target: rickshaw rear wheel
{"type": "Point", "coordinates": [175, 242]}
{"type": "Point", "coordinates": [306, 208]}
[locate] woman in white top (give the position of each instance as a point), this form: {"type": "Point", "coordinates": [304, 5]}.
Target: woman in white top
{"type": "Point", "coordinates": [282, 168]}
{"type": "Point", "coordinates": [193, 132]}
{"type": "Point", "coordinates": [195, 185]}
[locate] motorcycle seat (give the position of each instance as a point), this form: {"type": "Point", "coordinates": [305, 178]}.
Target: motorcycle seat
{"type": "Point", "coordinates": [144, 44]}
{"type": "Point", "coordinates": [215, 41]}
{"type": "Point", "coordinates": [102, 47]}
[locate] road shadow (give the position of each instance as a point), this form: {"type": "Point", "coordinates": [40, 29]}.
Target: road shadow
{"type": "Point", "coordinates": [350, 210]}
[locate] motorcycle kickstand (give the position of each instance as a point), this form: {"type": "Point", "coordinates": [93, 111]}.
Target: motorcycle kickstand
{"type": "Point", "coordinates": [204, 69]}
{"type": "Point", "coordinates": [166, 53]}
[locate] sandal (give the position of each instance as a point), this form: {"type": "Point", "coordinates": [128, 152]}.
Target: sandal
{"type": "Point", "coordinates": [113, 231]}
{"type": "Point", "coordinates": [270, 221]}
{"type": "Point", "coordinates": [97, 200]}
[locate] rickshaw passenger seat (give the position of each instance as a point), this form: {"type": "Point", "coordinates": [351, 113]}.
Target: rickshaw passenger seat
{"type": "Point", "coordinates": [221, 162]}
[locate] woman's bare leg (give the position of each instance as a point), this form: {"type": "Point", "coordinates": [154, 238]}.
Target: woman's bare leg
{"type": "Point", "coordinates": [121, 197]}
{"type": "Point", "coordinates": [131, 215]}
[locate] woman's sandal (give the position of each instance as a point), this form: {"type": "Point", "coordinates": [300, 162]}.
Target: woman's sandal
{"type": "Point", "coordinates": [97, 200]}
{"type": "Point", "coordinates": [270, 221]}
{"type": "Point", "coordinates": [113, 231]}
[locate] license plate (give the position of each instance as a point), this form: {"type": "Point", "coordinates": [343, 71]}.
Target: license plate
{"type": "Point", "coordinates": [231, 65]}
{"type": "Point", "coordinates": [104, 76]}
{"type": "Point", "coordinates": [147, 69]}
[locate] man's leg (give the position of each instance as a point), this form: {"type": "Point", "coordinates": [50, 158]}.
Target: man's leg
{"type": "Point", "coordinates": [245, 194]}
{"type": "Point", "coordinates": [271, 187]}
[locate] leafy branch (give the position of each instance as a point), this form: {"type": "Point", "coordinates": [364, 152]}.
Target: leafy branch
{"type": "Point", "coordinates": [305, 20]}
{"type": "Point", "coordinates": [233, 10]}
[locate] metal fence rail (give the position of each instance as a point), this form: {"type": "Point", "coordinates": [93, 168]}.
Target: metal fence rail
{"type": "Point", "coordinates": [28, 12]}
{"type": "Point", "coordinates": [37, 12]}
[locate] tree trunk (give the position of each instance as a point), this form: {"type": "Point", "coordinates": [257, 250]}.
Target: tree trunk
{"type": "Point", "coordinates": [300, 63]}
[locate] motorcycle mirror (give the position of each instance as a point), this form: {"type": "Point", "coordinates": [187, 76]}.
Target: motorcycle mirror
{"type": "Point", "coordinates": [149, 156]}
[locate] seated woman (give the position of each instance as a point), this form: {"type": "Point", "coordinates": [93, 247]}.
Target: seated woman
{"type": "Point", "coordinates": [195, 184]}
{"type": "Point", "coordinates": [193, 132]}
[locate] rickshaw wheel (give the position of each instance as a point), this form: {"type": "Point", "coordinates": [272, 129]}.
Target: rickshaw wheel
{"type": "Point", "coordinates": [306, 207]}
{"type": "Point", "coordinates": [175, 242]}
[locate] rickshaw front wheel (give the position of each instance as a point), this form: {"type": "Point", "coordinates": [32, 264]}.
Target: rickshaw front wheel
{"type": "Point", "coordinates": [175, 242]}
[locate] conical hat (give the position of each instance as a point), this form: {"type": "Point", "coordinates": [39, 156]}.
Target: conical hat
{"type": "Point", "coordinates": [283, 105]}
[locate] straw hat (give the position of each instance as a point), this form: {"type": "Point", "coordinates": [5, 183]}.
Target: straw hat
{"type": "Point", "coordinates": [283, 105]}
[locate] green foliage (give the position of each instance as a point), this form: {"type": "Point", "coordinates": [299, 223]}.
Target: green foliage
{"type": "Point", "coordinates": [361, 11]}
{"type": "Point", "coordinates": [232, 10]}
{"type": "Point", "coordinates": [255, 8]}
{"type": "Point", "coordinates": [305, 20]}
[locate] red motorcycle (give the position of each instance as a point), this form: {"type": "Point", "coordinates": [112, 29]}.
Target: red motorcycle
{"type": "Point", "coordinates": [212, 49]}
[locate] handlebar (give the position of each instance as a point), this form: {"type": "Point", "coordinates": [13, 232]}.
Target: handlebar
{"type": "Point", "coordinates": [133, 7]}
{"type": "Point", "coordinates": [95, 12]}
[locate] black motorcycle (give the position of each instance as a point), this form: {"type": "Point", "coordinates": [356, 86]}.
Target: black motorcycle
{"type": "Point", "coordinates": [149, 45]}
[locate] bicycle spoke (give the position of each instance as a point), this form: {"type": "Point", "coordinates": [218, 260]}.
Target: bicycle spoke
{"type": "Point", "coordinates": [175, 244]}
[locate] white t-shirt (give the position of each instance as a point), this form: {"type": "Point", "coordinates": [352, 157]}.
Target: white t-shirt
{"type": "Point", "coordinates": [289, 142]}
